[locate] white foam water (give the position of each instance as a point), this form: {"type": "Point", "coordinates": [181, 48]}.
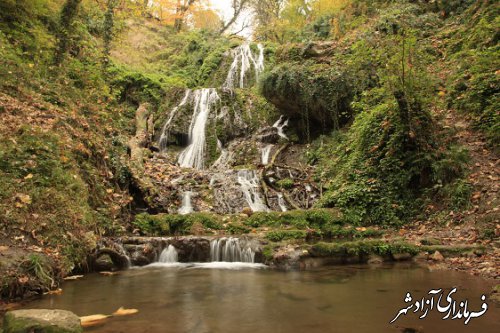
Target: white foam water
{"type": "Point", "coordinates": [194, 155]}
{"type": "Point", "coordinates": [230, 250]}
{"type": "Point", "coordinates": [169, 255]}
{"type": "Point", "coordinates": [281, 202]}
{"type": "Point", "coordinates": [187, 206]}
{"type": "Point", "coordinates": [265, 153]}
{"type": "Point", "coordinates": [249, 184]}
{"type": "Point", "coordinates": [280, 124]}
{"type": "Point", "coordinates": [243, 61]}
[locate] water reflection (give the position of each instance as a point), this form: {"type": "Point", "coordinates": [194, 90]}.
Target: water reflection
{"type": "Point", "coordinates": [197, 299]}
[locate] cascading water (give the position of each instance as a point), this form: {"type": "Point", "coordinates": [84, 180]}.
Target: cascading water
{"type": "Point", "coordinates": [266, 151]}
{"type": "Point", "coordinates": [230, 250]}
{"type": "Point", "coordinates": [193, 156]}
{"type": "Point", "coordinates": [187, 206]}
{"type": "Point", "coordinates": [249, 184]}
{"type": "Point", "coordinates": [280, 124]}
{"type": "Point", "coordinates": [281, 202]}
{"type": "Point", "coordinates": [169, 255]}
{"type": "Point", "coordinates": [243, 60]}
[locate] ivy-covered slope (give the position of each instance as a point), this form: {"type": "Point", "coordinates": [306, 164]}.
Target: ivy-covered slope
{"type": "Point", "coordinates": [378, 73]}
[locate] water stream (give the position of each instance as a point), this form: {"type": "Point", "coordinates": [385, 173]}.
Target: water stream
{"type": "Point", "coordinates": [212, 298]}
{"type": "Point", "coordinates": [187, 206]}
{"type": "Point", "coordinates": [265, 153]}
{"type": "Point", "coordinates": [194, 155]}
{"type": "Point", "coordinates": [169, 255]}
{"type": "Point", "coordinates": [250, 186]}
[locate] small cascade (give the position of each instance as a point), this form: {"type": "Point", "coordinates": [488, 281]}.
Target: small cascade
{"type": "Point", "coordinates": [187, 206]}
{"type": "Point", "coordinates": [193, 156]}
{"type": "Point", "coordinates": [243, 60]}
{"type": "Point", "coordinates": [266, 151]}
{"type": "Point", "coordinates": [122, 251]}
{"type": "Point", "coordinates": [163, 142]}
{"type": "Point", "coordinates": [249, 184]}
{"type": "Point", "coordinates": [230, 250]}
{"type": "Point", "coordinates": [281, 202]}
{"type": "Point", "coordinates": [169, 255]}
{"type": "Point", "coordinates": [280, 124]}
{"type": "Point", "coordinates": [220, 163]}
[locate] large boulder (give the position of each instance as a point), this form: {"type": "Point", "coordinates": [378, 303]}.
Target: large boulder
{"type": "Point", "coordinates": [41, 321]}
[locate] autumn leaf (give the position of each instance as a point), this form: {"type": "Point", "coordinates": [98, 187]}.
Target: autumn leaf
{"type": "Point", "coordinates": [93, 320]}
{"type": "Point", "coordinates": [124, 312]}
{"type": "Point", "coordinates": [58, 291]}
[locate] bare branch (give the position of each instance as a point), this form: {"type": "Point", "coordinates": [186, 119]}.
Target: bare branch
{"type": "Point", "coordinates": [238, 7]}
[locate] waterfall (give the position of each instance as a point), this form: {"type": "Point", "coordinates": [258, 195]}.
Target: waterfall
{"type": "Point", "coordinates": [230, 250]}
{"type": "Point", "coordinates": [186, 207]}
{"type": "Point", "coordinates": [280, 124]}
{"type": "Point", "coordinates": [266, 151]}
{"type": "Point", "coordinates": [243, 60]}
{"type": "Point", "coordinates": [193, 155]}
{"type": "Point", "coordinates": [124, 252]}
{"type": "Point", "coordinates": [249, 183]}
{"type": "Point", "coordinates": [281, 202]}
{"type": "Point", "coordinates": [163, 142]}
{"type": "Point", "coordinates": [169, 255]}
{"type": "Point", "coordinates": [223, 157]}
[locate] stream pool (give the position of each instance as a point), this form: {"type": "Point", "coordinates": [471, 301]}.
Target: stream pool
{"type": "Point", "coordinates": [231, 297]}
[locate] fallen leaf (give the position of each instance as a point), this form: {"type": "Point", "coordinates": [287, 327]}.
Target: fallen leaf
{"type": "Point", "coordinates": [3, 248]}
{"type": "Point", "coordinates": [23, 279]}
{"type": "Point", "coordinates": [58, 291]}
{"type": "Point", "coordinates": [93, 320]}
{"type": "Point", "coordinates": [124, 312]}
{"type": "Point", "coordinates": [28, 176]}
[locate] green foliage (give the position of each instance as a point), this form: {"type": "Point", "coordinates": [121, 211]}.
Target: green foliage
{"type": "Point", "coordinates": [279, 235]}
{"type": "Point", "coordinates": [349, 232]}
{"type": "Point", "coordinates": [38, 266]}
{"type": "Point", "coordinates": [285, 183]}
{"type": "Point", "coordinates": [300, 219]}
{"type": "Point", "coordinates": [362, 248]}
{"type": "Point", "coordinates": [136, 87]}
{"type": "Point", "coordinates": [316, 95]}
{"type": "Point", "coordinates": [151, 225]}
{"type": "Point", "coordinates": [174, 224]}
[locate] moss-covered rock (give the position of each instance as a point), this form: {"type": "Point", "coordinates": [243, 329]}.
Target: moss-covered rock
{"type": "Point", "coordinates": [316, 97]}
{"type": "Point", "coordinates": [42, 321]}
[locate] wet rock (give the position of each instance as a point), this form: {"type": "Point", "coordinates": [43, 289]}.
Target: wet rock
{"type": "Point", "coordinates": [104, 263]}
{"type": "Point", "coordinates": [137, 259]}
{"type": "Point", "coordinates": [436, 256]}
{"type": "Point", "coordinates": [269, 135]}
{"type": "Point", "coordinates": [247, 211]}
{"type": "Point", "coordinates": [421, 256]}
{"type": "Point", "coordinates": [401, 256]}
{"type": "Point", "coordinates": [375, 259]}
{"type": "Point", "coordinates": [41, 321]}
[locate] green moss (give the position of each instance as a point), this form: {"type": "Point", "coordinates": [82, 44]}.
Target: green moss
{"type": "Point", "coordinates": [349, 232]}
{"type": "Point", "coordinates": [362, 248]}
{"type": "Point", "coordinates": [174, 224]}
{"type": "Point", "coordinates": [279, 235]}
{"type": "Point", "coordinates": [301, 219]}
{"type": "Point", "coordinates": [285, 183]}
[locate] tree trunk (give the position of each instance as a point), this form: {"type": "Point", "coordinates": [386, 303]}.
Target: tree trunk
{"type": "Point", "coordinates": [137, 144]}
{"type": "Point", "coordinates": [68, 14]}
